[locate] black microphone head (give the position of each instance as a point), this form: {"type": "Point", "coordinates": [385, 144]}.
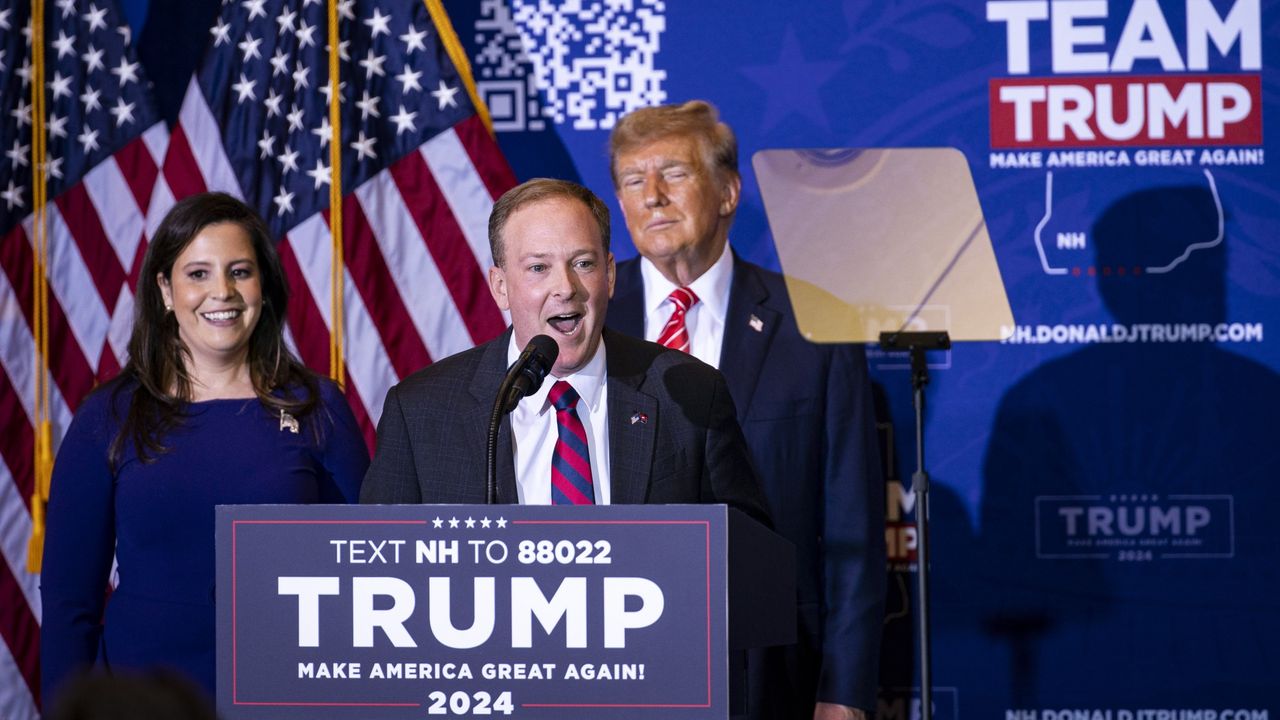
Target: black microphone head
{"type": "Point", "coordinates": [526, 374]}
{"type": "Point", "coordinates": [545, 350]}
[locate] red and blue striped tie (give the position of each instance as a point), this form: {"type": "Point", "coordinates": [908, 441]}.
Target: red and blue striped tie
{"type": "Point", "coordinates": [571, 482]}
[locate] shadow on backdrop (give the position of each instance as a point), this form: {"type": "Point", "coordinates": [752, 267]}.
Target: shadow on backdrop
{"type": "Point", "coordinates": [1126, 554]}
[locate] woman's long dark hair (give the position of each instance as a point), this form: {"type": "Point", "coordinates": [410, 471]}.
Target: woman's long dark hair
{"type": "Point", "coordinates": [157, 368]}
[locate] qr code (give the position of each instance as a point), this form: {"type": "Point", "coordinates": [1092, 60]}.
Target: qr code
{"type": "Point", "coordinates": [585, 61]}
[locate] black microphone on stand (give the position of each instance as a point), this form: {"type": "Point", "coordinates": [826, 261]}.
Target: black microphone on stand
{"type": "Point", "coordinates": [524, 377]}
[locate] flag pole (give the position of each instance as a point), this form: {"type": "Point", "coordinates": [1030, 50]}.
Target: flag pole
{"type": "Point", "coordinates": [337, 369]}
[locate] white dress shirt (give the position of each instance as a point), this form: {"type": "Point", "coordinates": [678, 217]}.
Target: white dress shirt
{"type": "Point", "coordinates": [534, 430]}
{"type": "Point", "coordinates": [705, 320]}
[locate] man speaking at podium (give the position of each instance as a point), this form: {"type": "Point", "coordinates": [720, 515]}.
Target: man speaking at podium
{"type": "Point", "coordinates": [805, 409]}
{"type": "Point", "coordinates": [617, 420]}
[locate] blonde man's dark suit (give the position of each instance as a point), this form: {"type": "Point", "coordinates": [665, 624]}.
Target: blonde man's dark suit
{"type": "Point", "coordinates": [807, 414]}
{"type": "Point", "coordinates": [684, 445]}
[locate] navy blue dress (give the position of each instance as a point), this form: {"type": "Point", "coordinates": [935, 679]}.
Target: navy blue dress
{"type": "Point", "coordinates": [158, 520]}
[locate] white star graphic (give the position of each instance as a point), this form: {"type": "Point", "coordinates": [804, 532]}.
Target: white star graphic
{"type": "Point", "coordinates": [68, 7]}
{"type": "Point", "coordinates": [372, 64]}
{"type": "Point", "coordinates": [364, 147]}
{"type": "Point", "coordinates": [126, 34]}
{"type": "Point", "coordinates": [285, 21]}
{"type": "Point", "coordinates": [57, 126]}
{"type": "Point", "coordinates": [93, 59]}
{"type": "Point", "coordinates": [368, 106]}
{"type": "Point", "coordinates": [12, 196]}
{"type": "Point", "coordinates": [300, 77]}
{"type": "Point", "coordinates": [471, 523]}
{"type": "Point", "coordinates": [324, 132]}
{"type": "Point", "coordinates": [96, 18]}
{"type": "Point", "coordinates": [127, 71]}
{"type": "Point", "coordinates": [60, 85]}
{"type": "Point", "coordinates": [4, 19]}
{"type": "Point", "coordinates": [64, 45]}
{"type": "Point", "coordinates": [305, 34]}
{"type": "Point", "coordinates": [344, 10]}
{"type": "Point", "coordinates": [437, 523]}
{"type": "Point", "coordinates": [413, 40]}
{"type": "Point", "coordinates": [267, 144]}
{"type": "Point", "coordinates": [320, 173]}
{"type": "Point", "coordinates": [273, 102]}
{"type": "Point", "coordinates": [255, 8]}
{"type": "Point", "coordinates": [89, 139]}
{"type": "Point", "coordinates": [244, 89]}
{"type": "Point", "coordinates": [485, 523]}
{"type": "Point", "coordinates": [409, 79]}
{"type": "Point", "coordinates": [123, 111]}
{"type": "Point", "coordinates": [278, 62]}
{"type": "Point", "coordinates": [22, 113]}
{"type": "Point", "coordinates": [288, 162]}
{"type": "Point", "coordinates": [404, 121]}
{"type": "Point", "coordinates": [378, 24]}
{"type": "Point", "coordinates": [18, 155]}
{"type": "Point", "coordinates": [24, 72]}
{"type": "Point", "coordinates": [444, 95]}
{"type": "Point", "coordinates": [53, 168]}
{"type": "Point", "coordinates": [502, 522]}
{"type": "Point", "coordinates": [249, 46]}
{"type": "Point", "coordinates": [283, 201]}
{"type": "Point", "coordinates": [453, 522]}
{"type": "Point", "coordinates": [90, 99]}
{"type": "Point", "coordinates": [295, 118]}
{"type": "Point", "coordinates": [221, 33]}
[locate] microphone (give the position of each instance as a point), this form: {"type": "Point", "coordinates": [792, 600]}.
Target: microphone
{"type": "Point", "coordinates": [523, 378]}
{"type": "Point", "coordinates": [525, 375]}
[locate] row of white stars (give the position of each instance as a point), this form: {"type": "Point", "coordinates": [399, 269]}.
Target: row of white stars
{"type": "Point", "coordinates": [123, 112]}
{"type": "Point", "coordinates": [126, 71]}
{"type": "Point", "coordinates": [445, 95]}
{"type": "Point", "coordinates": [379, 24]}
{"type": "Point", "coordinates": [469, 522]}
{"type": "Point", "coordinates": [95, 18]}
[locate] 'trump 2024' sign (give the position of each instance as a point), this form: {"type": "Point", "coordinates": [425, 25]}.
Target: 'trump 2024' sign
{"type": "Point", "coordinates": [471, 611]}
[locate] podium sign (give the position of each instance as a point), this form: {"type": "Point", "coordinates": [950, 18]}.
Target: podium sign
{"type": "Point", "coordinates": [471, 611]}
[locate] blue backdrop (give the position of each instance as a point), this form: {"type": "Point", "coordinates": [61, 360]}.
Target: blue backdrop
{"type": "Point", "coordinates": [1105, 491]}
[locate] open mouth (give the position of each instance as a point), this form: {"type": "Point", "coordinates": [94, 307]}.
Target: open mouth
{"type": "Point", "coordinates": [566, 324]}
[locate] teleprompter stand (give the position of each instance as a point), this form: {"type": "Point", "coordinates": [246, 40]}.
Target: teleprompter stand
{"type": "Point", "coordinates": [916, 344]}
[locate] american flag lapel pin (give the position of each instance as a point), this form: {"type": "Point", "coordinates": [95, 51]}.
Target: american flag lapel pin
{"type": "Point", "coordinates": [756, 324]}
{"type": "Point", "coordinates": [639, 418]}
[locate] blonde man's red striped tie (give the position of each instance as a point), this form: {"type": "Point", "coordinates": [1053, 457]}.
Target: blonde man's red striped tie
{"type": "Point", "coordinates": [675, 334]}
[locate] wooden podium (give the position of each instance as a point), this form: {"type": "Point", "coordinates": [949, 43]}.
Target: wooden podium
{"type": "Point", "coordinates": [370, 612]}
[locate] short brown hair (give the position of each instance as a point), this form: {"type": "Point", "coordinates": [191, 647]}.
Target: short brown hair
{"type": "Point", "coordinates": [536, 190]}
{"type": "Point", "coordinates": [697, 118]}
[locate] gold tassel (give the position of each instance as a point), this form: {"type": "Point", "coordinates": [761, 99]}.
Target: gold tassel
{"type": "Point", "coordinates": [40, 496]}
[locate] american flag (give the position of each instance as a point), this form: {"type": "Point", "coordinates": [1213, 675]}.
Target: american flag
{"type": "Point", "coordinates": [104, 146]}
{"type": "Point", "coordinates": [420, 172]}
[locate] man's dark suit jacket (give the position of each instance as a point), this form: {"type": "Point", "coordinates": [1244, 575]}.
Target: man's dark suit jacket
{"type": "Point", "coordinates": [689, 449]}
{"type": "Point", "coordinates": [807, 413]}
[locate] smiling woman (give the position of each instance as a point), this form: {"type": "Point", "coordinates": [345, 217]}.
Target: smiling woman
{"type": "Point", "coordinates": [146, 459]}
